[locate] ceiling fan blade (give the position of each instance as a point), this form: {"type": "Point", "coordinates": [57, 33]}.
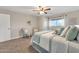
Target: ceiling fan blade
{"type": "Point", "coordinates": [36, 10]}
{"type": "Point", "coordinates": [40, 6]}
{"type": "Point", "coordinates": [45, 12]}
{"type": "Point", "coordinates": [47, 9]}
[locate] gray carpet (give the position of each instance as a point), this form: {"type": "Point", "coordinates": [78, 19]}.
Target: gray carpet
{"type": "Point", "coordinates": [22, 45]}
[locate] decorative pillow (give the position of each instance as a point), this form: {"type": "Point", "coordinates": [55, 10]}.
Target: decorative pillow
{"type": "Point", "coordinates": [65, 31]}
{"type": "Point", "coordinates": [72, 33]}
{"type": "Point", "coordinates": [55, 31]}
{"type": "Point", "coordinates": [78, 37]}
{"type": "Point", "coordinates": [60, 31]}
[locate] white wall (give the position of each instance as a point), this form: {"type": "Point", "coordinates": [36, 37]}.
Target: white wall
{"type": "Point", "coordinates": [72, 18]}
{"type": "Point", "coordinates": [43, 23]}
{"type": "Point", "coordinates": [19, 21]}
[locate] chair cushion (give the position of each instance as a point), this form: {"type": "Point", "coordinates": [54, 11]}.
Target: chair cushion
{"type": "Point", "coordinates": [72, 33]}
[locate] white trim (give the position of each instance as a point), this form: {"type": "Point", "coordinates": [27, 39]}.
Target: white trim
{"type": "Point", "coordinates": [16, 37]}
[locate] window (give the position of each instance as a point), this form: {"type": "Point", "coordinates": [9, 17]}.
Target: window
{"type": "Point", "coordinates": [56, 22]}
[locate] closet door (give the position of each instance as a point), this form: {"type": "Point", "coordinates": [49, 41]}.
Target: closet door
{"type": "Point", "coordinates": [4, 27]}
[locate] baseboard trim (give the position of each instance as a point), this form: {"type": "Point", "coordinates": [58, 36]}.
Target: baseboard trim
{"type": "Point", "coordinates": [20, 37]}
{"type": "Point", "coordinates": [15, 38]}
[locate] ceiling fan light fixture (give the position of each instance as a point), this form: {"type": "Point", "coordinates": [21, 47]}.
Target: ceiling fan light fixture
{"type": "Point", "coordinates": [41, 12]}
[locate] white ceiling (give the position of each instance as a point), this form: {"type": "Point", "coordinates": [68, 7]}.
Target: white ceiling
{"type": "Point", "coordinates": [28, 9]}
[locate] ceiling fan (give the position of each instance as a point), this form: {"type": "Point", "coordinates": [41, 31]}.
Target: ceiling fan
{"type": "Point", "coordinates": [42, 10]}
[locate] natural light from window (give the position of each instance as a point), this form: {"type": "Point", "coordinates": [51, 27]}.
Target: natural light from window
{"type": "Point", "coordinates": [57, 22]}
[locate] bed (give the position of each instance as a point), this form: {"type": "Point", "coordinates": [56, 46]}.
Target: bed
{"type": "Point", "coordinates": [40, 39]}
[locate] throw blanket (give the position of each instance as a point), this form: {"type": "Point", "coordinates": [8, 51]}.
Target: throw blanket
{"type": "Point", "coordinates": [73, 46]}
{"type": "Point", "coordinates": [59, 45]}
{"type": "Point", "coordinates": [36, 36]}
{"type": "Point", "coordinates": [45, 40]}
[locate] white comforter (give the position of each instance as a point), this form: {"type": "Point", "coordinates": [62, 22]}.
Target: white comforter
{"type": "Point", "coordinates": [73, 46]}
{"type": "Point", "coordinates": [45, 40]}
{"type": "Point", "coordinates": [51, 42]}
{"type": "Point", "coordinates": [36, 36]}
{"type": "Point", "coordinates": [59, 45]}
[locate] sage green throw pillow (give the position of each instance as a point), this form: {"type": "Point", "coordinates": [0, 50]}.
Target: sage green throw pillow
{"type": "Point", "coordinates": [72, 33]}
{"type": "Point", "coordinates": [78, 37]}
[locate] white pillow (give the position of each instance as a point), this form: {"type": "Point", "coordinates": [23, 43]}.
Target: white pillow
{"type": "Point", "coordinates": [65, 31]}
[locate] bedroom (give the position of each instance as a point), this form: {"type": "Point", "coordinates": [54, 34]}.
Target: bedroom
{"type": "Point", "coordinates": [23, 18]}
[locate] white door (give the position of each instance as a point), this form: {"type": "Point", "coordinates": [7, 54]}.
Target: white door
{"type": "Point", "coordinates": [4, 27]}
